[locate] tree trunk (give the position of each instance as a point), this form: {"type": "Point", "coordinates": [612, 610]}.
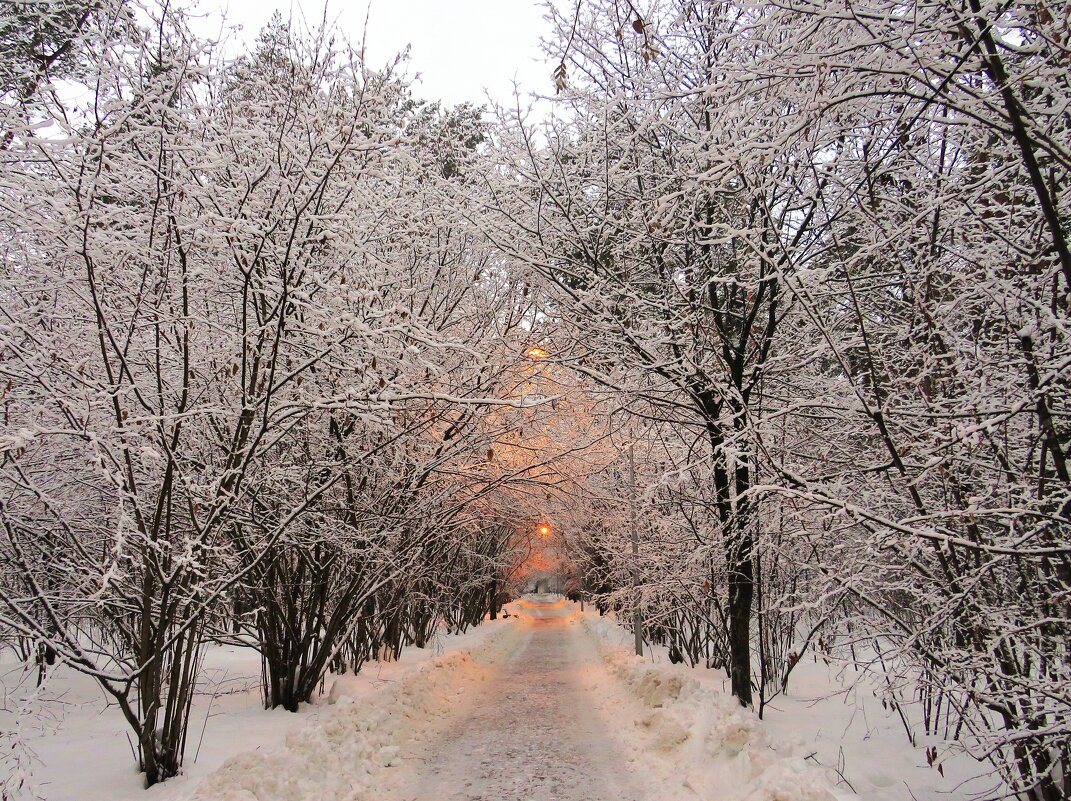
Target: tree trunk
{"type": "Point", "coordinates": [741, 593]}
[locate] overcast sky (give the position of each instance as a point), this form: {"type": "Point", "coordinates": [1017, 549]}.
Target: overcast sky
{"type": "Point", "coordinates": [463, 49]}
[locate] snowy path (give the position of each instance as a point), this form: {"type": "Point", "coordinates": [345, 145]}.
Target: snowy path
{"type": "Point", "coordinates": [533, 730]}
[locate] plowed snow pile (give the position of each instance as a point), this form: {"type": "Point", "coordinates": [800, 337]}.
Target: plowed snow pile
{"type": "Point", "coordinates": [338, 755]}
{"type": "Point", "coordinates": [715, 747]}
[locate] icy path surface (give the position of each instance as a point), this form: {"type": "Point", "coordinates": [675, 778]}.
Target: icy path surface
{"type": "Point", "coordinates": [536, 729]}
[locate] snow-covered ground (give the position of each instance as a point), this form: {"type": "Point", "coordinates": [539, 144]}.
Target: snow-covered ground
{"type": "Point", "coordinates": [694, 736]}
{"type": "Point", "coordinates": [549, 705]}
{"type": "Point", "coordinates": [832, 718]}
{"type": "Point", "coordinates": [543, 722]}
{"type": "Point", "coordinates": [75, 747]}
{"type": "Point", "coordinates": [78, 747]}
{"type": "Point", "coordinates": [836, 712]}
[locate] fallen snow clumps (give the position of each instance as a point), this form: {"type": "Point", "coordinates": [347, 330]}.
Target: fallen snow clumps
{"type": "Point", "coordinates": [337, 755]}
{"type": "Point", "coordinates": [718, 749]}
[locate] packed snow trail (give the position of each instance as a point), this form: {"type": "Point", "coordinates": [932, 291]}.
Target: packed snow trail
{"type": "Point", "coordinates": [532, 731]}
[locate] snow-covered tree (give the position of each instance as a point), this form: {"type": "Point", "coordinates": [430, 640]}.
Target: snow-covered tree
{"type": "Point", "coordinates": [822, 245]}
{"type": "Point", "coordinates": [246, 348]}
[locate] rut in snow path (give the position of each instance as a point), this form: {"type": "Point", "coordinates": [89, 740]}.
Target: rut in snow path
{"type": "Point", "coordinates": [533, 731]}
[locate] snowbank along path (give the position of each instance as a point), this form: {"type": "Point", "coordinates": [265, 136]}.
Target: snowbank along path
{"type": "Point", "coordinates": [536, 727]}
{"type": "Point", "coordinates": [542, 707]}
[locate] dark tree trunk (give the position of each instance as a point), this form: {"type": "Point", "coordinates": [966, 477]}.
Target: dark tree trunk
{"type": "Point", "coordinates": [741, 594]}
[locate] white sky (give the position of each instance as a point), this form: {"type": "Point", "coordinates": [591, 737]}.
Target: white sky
{"type": "Point", "coordinates": [462, 49]}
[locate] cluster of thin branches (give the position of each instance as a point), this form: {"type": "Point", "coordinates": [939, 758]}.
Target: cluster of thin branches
{"type": "Point", "coordinates": [253, 364]}
{"type": "Point", "coordinates": [818, 252]}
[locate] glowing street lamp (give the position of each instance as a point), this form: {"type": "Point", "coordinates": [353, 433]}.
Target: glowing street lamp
{"type": "Point", "coordinates": [544, 530]}
{"type": "Point", "coordinates": [536, 352]}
